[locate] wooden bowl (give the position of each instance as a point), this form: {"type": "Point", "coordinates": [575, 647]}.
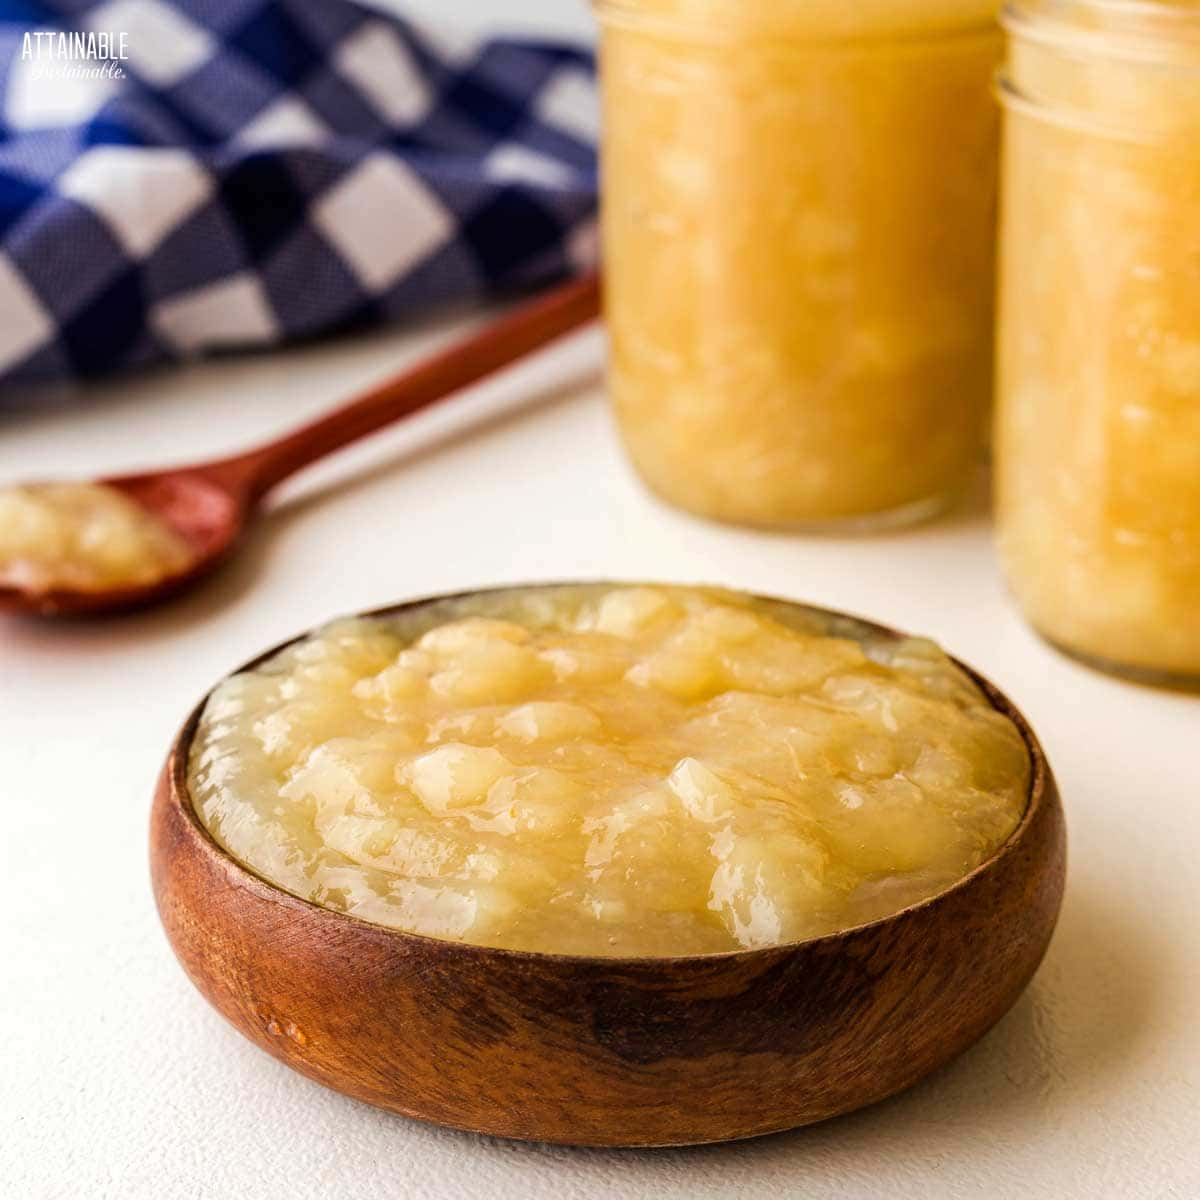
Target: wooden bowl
{"type": "Point", "coordinates": [601, 1051]}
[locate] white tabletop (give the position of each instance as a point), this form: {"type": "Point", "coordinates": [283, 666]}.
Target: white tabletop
{"type": "Point", "coordinates": [118, 1080]}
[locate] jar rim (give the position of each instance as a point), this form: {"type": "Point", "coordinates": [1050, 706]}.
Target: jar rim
{"type": "Point", "coordinates": [1135, 30]}
{"type": "Point", "coordinates": [633, 14]}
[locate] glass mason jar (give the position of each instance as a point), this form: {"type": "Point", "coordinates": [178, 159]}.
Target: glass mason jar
{"type": "Point", "coordinates": [1098, 411]}
{"type": "Point", "coordinates": [799, 227]}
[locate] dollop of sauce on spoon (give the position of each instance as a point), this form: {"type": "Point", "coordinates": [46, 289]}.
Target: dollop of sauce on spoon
{"type": "Point", "coordinates": [83, 537]}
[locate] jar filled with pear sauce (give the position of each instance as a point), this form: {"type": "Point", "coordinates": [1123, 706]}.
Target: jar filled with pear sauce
{"type": "Point", "coordinates": [1098, 429]}
{"type": "Point", "coordinates": [799, 210]}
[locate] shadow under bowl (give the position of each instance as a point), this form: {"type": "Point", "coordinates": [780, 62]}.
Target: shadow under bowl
{"type": "Point", "coordinates": [605, 1051]}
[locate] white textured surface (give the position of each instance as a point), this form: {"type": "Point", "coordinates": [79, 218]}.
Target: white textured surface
{"type": "Point", "coordinates": [116, 1080]}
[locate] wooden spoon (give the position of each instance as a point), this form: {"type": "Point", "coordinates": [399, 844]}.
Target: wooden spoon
{"type": "Point", "coordinates": [210, 504]}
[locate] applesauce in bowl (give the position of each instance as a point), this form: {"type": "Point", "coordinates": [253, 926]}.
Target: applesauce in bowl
{"type": "Point", "coordinates": [425, 921]}
{"type": "Point", "coordinates": [606, 770]}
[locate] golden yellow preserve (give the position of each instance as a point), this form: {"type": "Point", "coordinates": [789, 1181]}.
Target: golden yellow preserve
{"type": "Point", "coordinates": [798, 214]}
{"type": "Point", "coordinates": [1098, 434]}
{"type": "Point", "coordinates": [608, 771]}
{"type": "Point", "coordinates": [83, 536]}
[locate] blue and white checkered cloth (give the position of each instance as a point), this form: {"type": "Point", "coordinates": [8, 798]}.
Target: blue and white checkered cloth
{"type": "Point", "coordinates": [270, 170]}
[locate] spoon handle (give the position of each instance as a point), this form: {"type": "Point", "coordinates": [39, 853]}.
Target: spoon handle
{"type": "Point", "coordinates": [498, 344]}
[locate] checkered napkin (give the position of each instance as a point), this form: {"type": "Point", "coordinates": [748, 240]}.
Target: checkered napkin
{"type": "Point", "coordinates": [267, 170]}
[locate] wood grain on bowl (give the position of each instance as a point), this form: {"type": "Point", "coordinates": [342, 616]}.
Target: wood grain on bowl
{"type": "Point", "coordinates": [602, 1051]}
